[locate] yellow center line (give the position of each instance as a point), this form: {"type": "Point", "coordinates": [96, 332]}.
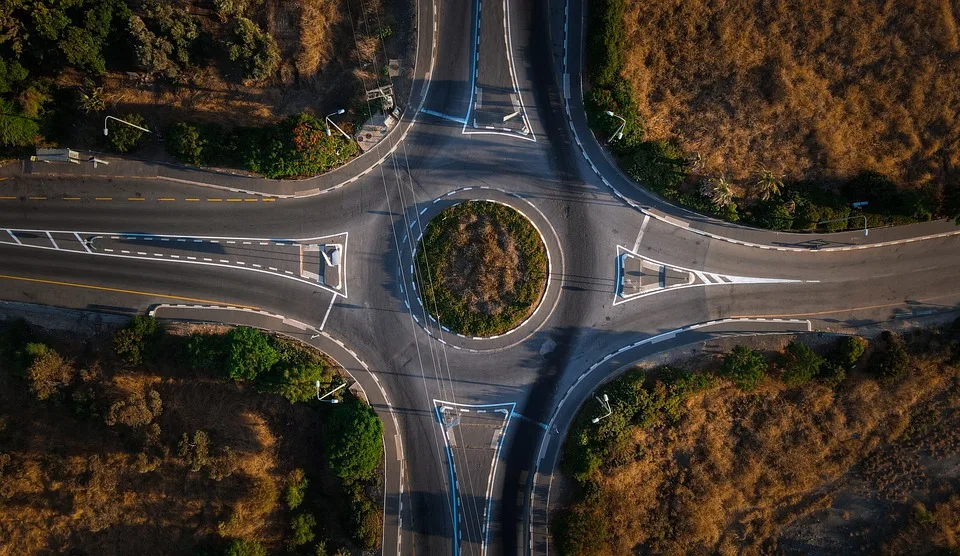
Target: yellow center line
{"type": "Point", "coordinates": [136, 199]}
{"type": "Point", "coordinates": [251, 199]}
{"type": "Point", "coordinates": [192, 199]}
{"type": "Point", "coordinates": [268, 199]}
{"type": "Point", "coordinates": [117, 290]}
{"type": "Point", "coordinates": [234, 200]}
{"type": "Point", "coordinates": [38, 198]}
{"type": "Point", "coordinates": [166, 199]}
{"type": "Point", "coordinates": [71, 198]}
{"type": "Point", "coordinates": [104, 198]}
{"type": "Point", "coordinates": [213, 199]}
{"type": "Point", "coordinates": [7, 197]}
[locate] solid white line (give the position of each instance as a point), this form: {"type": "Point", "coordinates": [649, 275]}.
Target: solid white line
{"type": "Point", "coordinates": [53, 241]}
{"type": "Point", "coordinates": [83, 243]}
{"type": "Point", "coordinates": [15, 238]}
{"type": "Point", "coordinates": [323, 323]}
{"type": "Point", "coordinates": [643, 228]}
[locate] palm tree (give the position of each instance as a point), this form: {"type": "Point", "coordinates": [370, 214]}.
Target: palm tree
{"type": "Point", "coordinates": [717, 190]}
{"type": "Point", "coordinates": [768, 184]}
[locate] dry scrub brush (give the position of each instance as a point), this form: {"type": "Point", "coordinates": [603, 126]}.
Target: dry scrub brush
{"type": "Point", "coordinates": [808, 90]}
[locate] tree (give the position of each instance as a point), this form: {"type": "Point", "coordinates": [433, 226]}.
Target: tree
{"type": "Point", "coordinates": [301, 529]}
{"type": "Point", "coordinates": [658, 165]}
{"type": "Point", "coordinates": [138, 340]}
{"type": "Point", "coordinates": [196, 452]}
{"type": "Point", "coordinates": [136, 411]}
{"type": "Point", "coordinates": [849, 350]}
{"type": "Point", "coordinates": [249, 353]}
{"type": "Point", "coordinates": [11, 75]}
{"type": "Point", "coordinates": [204, 351]}
{"type": "Point", "coordinates": [296, 146]}
{"type": "Point", "coordinates": [256, 51]}
{"type": "Point", "coordinates": [298, 383]}
{"type": "Point", "coordinates": [799, 364]}
{"type": "Point", "coordinates": [744, 367]}
{"type": "Point", "coordinates": [91, 98]}
{"type": "Point", "coordinates": [355, 447]}
{"type": "Point", "coordinates": [241, 547]}
{"type": "Point", "coordinates": [893, 360]}
{"type": "Point", "coordinates": [83, 50]}
{"type": "Point", "coordinates": [47, 372]}
{"type": "Point", "coordinates": [296, 488]}
{"type": "Point", "coordinates": [768, 184]}
{"type": "Point", "coordinates": [186, 144]}
{"type": "Point", "coordinates": [125, 138]}
{"type": "Point", "coordinates": [718, 191]}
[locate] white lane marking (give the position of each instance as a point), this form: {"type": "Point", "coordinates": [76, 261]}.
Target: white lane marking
{"type": "Point", "coordinates": [224, 261]}
{"type": "Point", "coordinates": [83, 243]}
{"type": "Point", "coordinates": [323, 323]}
{"type": "Point", "coordinates": [208, 260]}
{"type": "Point", "coordinates": [53, 241]}
{"type": "Point", "coordinates": [108, 250]}
{"type": "Point", "coordinates": [191, 258]}
{"type": "Point", "coordinates": [125, 252]}
{"type": "Point", "coordinates": [15, 238]}
{"type": "Point", "coordinates": [141, 253]}
{"type": "Point", "coordinates": [643, 228]}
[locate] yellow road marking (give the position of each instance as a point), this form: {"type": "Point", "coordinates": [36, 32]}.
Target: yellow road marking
{"type": "Point", "coordinates": [234, 200]}
{"type": "Point", "coordinates": [71, 198]}
{"type": "Point", "coordinates": [136, 199]}
{"type": "Point", "coordinates": [38, 198]}
{"type": "Point", "coordinates": [118, 290]}
{"type": "Point", "coordinates": [268, 199]}
{"type": "Point", "coordinates": [7, 197]}
{"type": "Point", "coordinates": [192, 199]}
{"type": "Point", "coordinates": [214, 199]}
{"type": "Point", "coordinates": [251, 199]}
{"type": "Point", "coordinates": [166, 199]}
{"type": "Point", "coordinates": [104, 198]}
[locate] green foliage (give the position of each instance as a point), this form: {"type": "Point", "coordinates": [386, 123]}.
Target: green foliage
{"type": "Point", "coordinates": [658, 165]}
{"type": "Point", "coordinates": [799, 364]}
{"type": "Point", "coordinates": [195, 452]}
{"type": "Point", "coordinates": [83, 50]}
{"type": "Point", "coordinates": [241, 547]}
{"type": "Point", "coordinates": [366, 523]}
{"type": "Point", "coordinates": [139, 340]}
{"type": "Point", "coordinates": [849, 350]}
{"type": "Point", "coordinates": [124, 138]}
{"type": "Point", "coordinates": [581, 529]}
{"type": "Point", "coordinates": [16, 128]}
{"type": "Point", "coordinates": [744, 367]}
{"type": "Point", "coordinates": [296, 146]}
{"type": "Point", "coordinates": [204, 352]}
{"type": "Point", "coordinates": [14, 338]}
{"type": "Point", "coordinates": [605, 40]}
{"type": "Point", "coordinates": [47, 371]}
{"type": "Point", "coordinates": [296, 488]}
{"type": "Point", "coordinates": [11, 75]}
{"type": "Point", "coordinates": [892, 360]}
{"type": "Point", "coordinates": [618, 100]}
{"type": "Point", "coordinates": [255, 51]}
{"type": "Point", "coordinates": [354, 441]}
{"type": "Point", "coordinates": [301, 529]}
{"type": "Point", "coordinates": [185, 142]}
{"type": "Point", "coordinates": [298, 383]}
{"type": "Point", "coordinates": [163, 39]}
{"type": "Point", "coordinates": [249, 353]}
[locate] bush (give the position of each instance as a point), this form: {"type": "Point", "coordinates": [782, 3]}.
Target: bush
{"type": "Point", "coordinates": [744, 367]}
{"type": "Point", "coordinates": [658, 165]}
{"type": "Point", "coordinates": [204, 352]}
{"type": "Point", "coordinates": [196, 452]}
{"type": "Point", "coordinates": [16, 129]}
{"type": "Point", "coordinates": [186, 144]}
{"type": "Point", "coordinates": [892, 360]}
{"type": "Point", "coordinates": [799, 364]}
{"type": "Point", "coordinates": [139, 340]}
{"type": "Point", "coordinates": [296, 488]}
{"type": "Point", "coordinates": [605, 41]}
{"type": "Point", "coordinates": [298, 383]}
{"type": "Point", "coordinates": [296, 146]}
{"type": "Point", "coordinates": [136, 411]}
{"type": "Point", "coordinates": [367, 523]}
{"type": "Point", "coordinates": [301, 529]}
{"type": "Point", "coordinates": [47, 371]}
{"type": "Point", "coordinates": [256, 51]}
{"type": "Point", "coordinates": [354, 441]}
{"type": "Point", "coordinates": [124, 138]}
{"type": "Point", "coordinates": [249, 353]}
{"type": "Point", "coordinates": [849, 350]}
{"type": "Point", "coordinates": [241, 547]}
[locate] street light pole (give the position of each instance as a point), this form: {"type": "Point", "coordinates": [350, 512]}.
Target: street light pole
{"type": "Point", "coordinates": [329, 122]}
{"type": "Point", "coordinates": [106, 132]}
{"type": "Point", "coordinates": [320, 398]}
{"type": "Point", "coordinates": [605, 404]}
{"type": "Point", "coordinates": [618, 134]}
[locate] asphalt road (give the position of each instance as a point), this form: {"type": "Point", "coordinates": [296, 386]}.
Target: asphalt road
{"type": "Point", "coordinates": [465, 486]}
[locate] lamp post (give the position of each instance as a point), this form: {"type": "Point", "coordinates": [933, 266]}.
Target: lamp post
{"type": "Point", "coordinates": [329, 122]}
{"type": "Point", "coordinates": [605, 404]}
{"type": "Point", "coordinates": [106, 131]}
{"type": "Point", "coordinates": [320, 398]}
{"type": "Point", "coordinates": [618, 134]}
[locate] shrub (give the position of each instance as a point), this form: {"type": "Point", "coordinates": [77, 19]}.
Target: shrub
{"type": "Point", "coordinates": [581, 530]}
{"type": "Point", "coordinates": [605, 41]}
{"type": "Point", "coordinates": [135, 411]}
{"type": "Point", "coordinates": [241, 547]}
{"type": "Point", "coordinates": [11, 75]}
{"type": "Point", "coordinates": [124, 138]}
{"type": "Point", "coordinates": [366, 523]}
{"type": "Point", "coordinates": [204, 352]}
{"type": "Point", "coordinates": [16, 129]}
{"type": "Point", "coordinates": [256, 51]}
{"type": "Point", "coordinates": [355, 448]}
{"type": "Point", "coordinates": [744, 367]}
{"type": "Point", "coordinates": [301, 529]}
{"type": "Point", "coordinates": [799, 364]}
{"type": "Point", "coordinates": [849, 350]}
{"type": "Point", "coordinates": [195, 452]}
{"type": "Point", "coordinates": [249, 353]}
{"type": "Point", "coordinates": [296, 146]}
{"type": "Point", "coordinates": [296, 488]}
{"type": "Point", "coordinates": [298, 384]}
{"type": "Point", "coordinates": [186, 144]}
{"type": "Point", "coordinates": [139, 340]}
{"type": "Point", "coordinates": [658, 165]}
{"type": "Point", "coordinates": [892, 360]}
{"type": "Point", "coordinates": [47, 372]}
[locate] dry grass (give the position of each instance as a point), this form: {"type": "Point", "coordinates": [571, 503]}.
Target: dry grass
{"type": "Point", "coordinates": [810, 90]}
{"type": "Point", "coordinates": [484, 265]}
{"type": "Point", "coordinates": [786, 469]}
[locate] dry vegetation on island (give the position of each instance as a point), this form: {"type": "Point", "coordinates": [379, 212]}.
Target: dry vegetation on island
{"type": "Point", "coordinates": [819, 457]}
{"type": "Point", "coordinates": [140, 442]}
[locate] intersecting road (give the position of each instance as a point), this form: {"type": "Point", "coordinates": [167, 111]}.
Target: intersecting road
{"type": "Point", "coordinates": [473, 426]}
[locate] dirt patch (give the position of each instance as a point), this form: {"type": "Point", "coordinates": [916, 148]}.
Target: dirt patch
{"type": "Point", "coordinates": [481, 268]}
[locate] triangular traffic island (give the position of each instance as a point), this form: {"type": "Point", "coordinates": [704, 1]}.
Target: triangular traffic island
{"type": "Point", "coordinates": [639, 275]}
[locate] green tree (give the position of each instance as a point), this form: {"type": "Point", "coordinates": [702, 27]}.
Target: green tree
{"type": "Point", "coordinates": [255, 51]}
{"type": "Point", "coordinates": [195, 452]}
{"type": "Point", "coordinates": [301, 529]}
{"type": "Point", "coordinates": [849, 350]}
{"type": "Point", "coordinates": [298, 383]}
{"type": "Point", "coordinates": [204, 351]}
{"type": "Point", "coordinates": [125, 138]}
{"type": "Point", "coordinates": [242, 547]}
{"type": "Point", "coordinates": [893, 360]}
{"type": "Point", "coordinates": [718, 190]}
{"type": "Point", "coordinates": [249, 353]}
{"type": "Point", "coordinates": [658, 165]}
{"type": "Point", "coordinates": [11, 75]}
{"type": "Point", "coordinates": [296, 146]}
{"type": "Point", "coordinates": [47, 372]}
{"type": "Point", "coordinates": [744, 367]}
{"type": "Point", "coordinates": [768, 184]}
{"type": "Point", "coordinates": [139, 340]}
{"type": "Point", "coordinates": [799, 364]}
{"type": "Point", "coordinates": [354, 449]}
{"type": "Point", "coordinates": [296, 488]}
{"type": "Point", "coordinates": [83, 50]}
{"type": "Point", "coordinates": [185, 142]}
